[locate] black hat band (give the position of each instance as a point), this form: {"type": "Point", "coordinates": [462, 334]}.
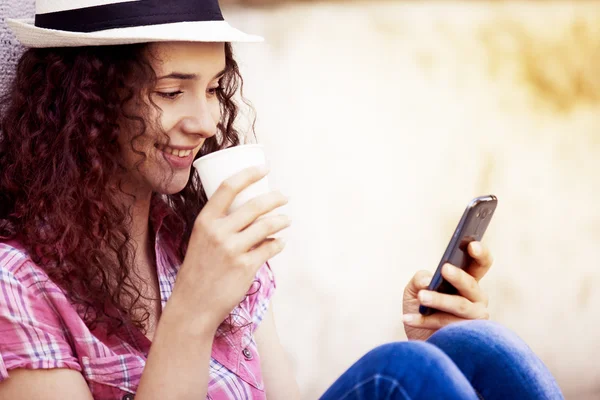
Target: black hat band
{"type": "Point", "coordinates": [130, 14]}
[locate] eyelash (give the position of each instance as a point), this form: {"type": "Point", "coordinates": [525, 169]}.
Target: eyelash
{"type": "Point", "coordinates": [169, 95]}
{"type": "Point", "coordinates": [175, 95]}
{"type": "Point", "coordinates": [215, 90]}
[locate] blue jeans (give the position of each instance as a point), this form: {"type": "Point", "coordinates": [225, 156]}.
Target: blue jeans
{"type": "Point", "coordinates": [467, 360]}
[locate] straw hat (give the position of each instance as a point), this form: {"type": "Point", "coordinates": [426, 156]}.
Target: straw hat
{"type": "Point", "coordinates": [69, 23]}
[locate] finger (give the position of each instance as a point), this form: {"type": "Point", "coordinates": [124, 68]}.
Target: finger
{"type": "Point", "coordinates": [419, 281]}
{"type": "Point", "coordinates": [262, 229]}
{"type": "Point", "coordinates": [255, 208]}
{"type": "Point", "coordinates": [482, 260]}
{"type": "Point", "coordinates": [265, 251]}
{"type": "Point", "coordinates": [223, 197]}
{"type": "Point", "coordinates": [466, 285]}
{"type": "Point", "coordinates": [433, 322]}
{"type": "Point", "coordinates": [452, 304]}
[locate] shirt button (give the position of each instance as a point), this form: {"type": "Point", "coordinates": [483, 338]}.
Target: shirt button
{"type": "Point", "coordinates": [128, 396]}
{"type": "Point", "coordinates": [247, 354]}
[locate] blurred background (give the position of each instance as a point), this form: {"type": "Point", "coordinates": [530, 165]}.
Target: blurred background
{"type": "Point", "coordinates": [382, 119]}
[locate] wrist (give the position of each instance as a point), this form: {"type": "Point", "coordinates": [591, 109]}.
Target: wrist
{"type": "Point", "coordinates": [184, 319]}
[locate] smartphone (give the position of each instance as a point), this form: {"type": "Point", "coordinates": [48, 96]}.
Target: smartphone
{"type": "Point", "coordinates": [471, 227]}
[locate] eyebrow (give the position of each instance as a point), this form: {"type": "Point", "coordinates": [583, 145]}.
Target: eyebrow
{"type": "Point", "coordinates": [188, 77]}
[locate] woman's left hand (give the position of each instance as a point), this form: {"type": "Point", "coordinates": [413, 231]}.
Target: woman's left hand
{"type": "Point", "coordinates": [471, 302]}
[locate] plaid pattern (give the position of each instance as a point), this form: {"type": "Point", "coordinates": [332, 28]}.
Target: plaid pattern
{"type": "Point", "coordinates": [40, 329]}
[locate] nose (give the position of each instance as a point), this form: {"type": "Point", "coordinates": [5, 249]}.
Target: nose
{"type": "Point", "coordinates": [200, 121]}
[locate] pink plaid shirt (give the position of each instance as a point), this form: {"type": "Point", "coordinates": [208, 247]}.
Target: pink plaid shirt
{"type": "Point", "coordinates": [40, 329]}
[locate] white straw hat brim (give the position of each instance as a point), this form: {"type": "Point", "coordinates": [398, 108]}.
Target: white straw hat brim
{"type": "Point", "coordinates": [204, 31]}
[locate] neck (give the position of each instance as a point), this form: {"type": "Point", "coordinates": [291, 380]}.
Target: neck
{"type": "Point", "coordinates": [140, 226]}
{"type": "Point", "coordinates": [138, 202]}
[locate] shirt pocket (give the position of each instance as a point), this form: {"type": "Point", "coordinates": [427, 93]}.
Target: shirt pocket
{"type": "Point", "coordinates": [109, 376]}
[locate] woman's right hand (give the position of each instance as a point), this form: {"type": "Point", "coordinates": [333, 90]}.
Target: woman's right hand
{"type": "Point", "coordinates": [226, 251]}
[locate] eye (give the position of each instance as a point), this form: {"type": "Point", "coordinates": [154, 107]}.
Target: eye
{"type": "Point", "coordinates": [213, 91]}
{"type": "Point", "coordinates": [169, 95]}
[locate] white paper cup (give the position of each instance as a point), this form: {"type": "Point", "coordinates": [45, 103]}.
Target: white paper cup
{"type": "Point", "coordinates": [216, 167]}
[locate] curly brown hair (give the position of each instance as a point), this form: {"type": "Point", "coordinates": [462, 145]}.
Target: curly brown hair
{"type": "Point", "coordinates": [59, 125]}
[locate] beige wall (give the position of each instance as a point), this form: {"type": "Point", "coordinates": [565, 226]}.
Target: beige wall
{"type": "Point", "coordinates": [382, 120]}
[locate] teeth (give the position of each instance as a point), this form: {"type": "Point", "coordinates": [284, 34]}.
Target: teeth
{"type": "Point", "coordinates": [175, 152]}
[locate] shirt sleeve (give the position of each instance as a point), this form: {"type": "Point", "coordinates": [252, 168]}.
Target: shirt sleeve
{"type": "Point", "coordinates": [259, 299]}
{"type": "Point", "coordinates": [31, 333]}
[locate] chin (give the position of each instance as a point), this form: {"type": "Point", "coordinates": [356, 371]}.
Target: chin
{"type": "Point", "coordinates": [173, 188]}
{"type": "Point", "coordinates": [176, 185]}
{"type": "Point", "coordinates": [166, 181]}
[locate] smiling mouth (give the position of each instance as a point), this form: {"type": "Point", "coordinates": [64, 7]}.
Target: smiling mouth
{"type": "Point", "coordinates": [174, 152]}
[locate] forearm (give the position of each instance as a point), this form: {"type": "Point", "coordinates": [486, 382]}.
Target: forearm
{"type": "Point", "coordinates": [277, 370]}
{"type": "Point", "coordinates": [178, 363]}
{"type": "Point", "coordinates": [282, 384]}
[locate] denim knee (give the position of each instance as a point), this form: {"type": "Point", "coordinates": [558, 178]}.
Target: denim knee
{"type": "Point", "coordinates": [417, 370]}
{"type": "Point", "coordinates": [473, 345]}
{"type": "Point", "coordinates": [496, 361]}
{"type": "Point", "coordinates": [391, 359]}
{"type": "Point", "coordinates": [402, 370]}
{"type": "Point", "coordinates": [479, 335]}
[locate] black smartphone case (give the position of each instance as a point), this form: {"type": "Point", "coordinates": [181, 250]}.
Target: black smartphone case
{"type": "Point", "coordinates": [471, 227]}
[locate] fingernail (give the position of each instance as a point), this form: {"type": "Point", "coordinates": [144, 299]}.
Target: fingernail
{"type": "Point", "coordinates": [450, 269]}
{"type": "Point", "coordinates": [425, 297]}
{"type": "Point", "coordinates": [263, 169]}
{"type": "Point", "coordinates": [425, 282]}
{"type": "Point", "coordinates": [476, 248]}
{"type": "Point", "coordinates": [408, 318]}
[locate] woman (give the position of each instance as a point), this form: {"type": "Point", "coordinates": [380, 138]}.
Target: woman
{"type": "Point", "coordinates": [119, 278]}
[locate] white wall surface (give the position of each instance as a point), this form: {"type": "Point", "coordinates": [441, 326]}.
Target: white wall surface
{"type": "Point", "coordinates": [383, 119]}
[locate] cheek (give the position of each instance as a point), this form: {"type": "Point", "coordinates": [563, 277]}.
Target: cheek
{"type": "Point", "coordinates": [168, 119]}
{"type": "Point", "coordinates": [172, 114]}
{"type": "Point", "coordinates": [131, 145]}
{"type": "Point", "coordinates": [215, 111]}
